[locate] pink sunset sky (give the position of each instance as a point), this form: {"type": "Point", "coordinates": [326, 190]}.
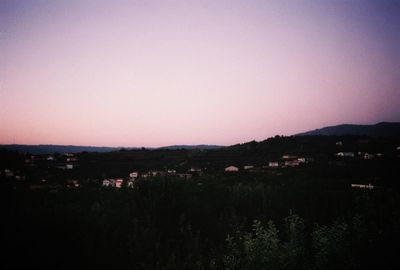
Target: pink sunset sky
{"type": "Point", "coordinates": [155, 73]}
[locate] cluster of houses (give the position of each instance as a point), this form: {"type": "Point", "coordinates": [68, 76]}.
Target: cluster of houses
{"type": "Point", "coordinates": [117, 183]}
{"type": "Point", "coordinates": [133, 176]}
{"type": "Point", "coordinates": [7, 173]}
{"type": "Point", "coordinates": [69, 161]}
{"type": "Point", "coordinates": [285, 162]}
{"type": "Point", "coordinates": [66, 161]}
{"type": "Point", "coordinates": [362, 186]}
{"type": "Point", "coordinates": [362, 155]}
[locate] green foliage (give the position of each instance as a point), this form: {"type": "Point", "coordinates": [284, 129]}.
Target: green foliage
{"type": "Point", "coordinates": [258, 249]}
{"type": "Point", "coordinates": [210, 222]}
{"type": "Point", "coordinates": [331, 246]}
{"type": "Point", "coordinates": [294, 249]}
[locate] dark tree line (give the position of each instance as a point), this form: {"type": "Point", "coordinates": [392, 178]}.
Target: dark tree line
{"type": "Point", "coordinates": [253, 221]}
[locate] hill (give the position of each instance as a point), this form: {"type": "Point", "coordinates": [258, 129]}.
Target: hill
{"type": "Point", "coordinates": [50, 149]}
{"type": "Point", "coordinates": [383, 129]}
{"type": "Point", "coordinates": [62, 149]}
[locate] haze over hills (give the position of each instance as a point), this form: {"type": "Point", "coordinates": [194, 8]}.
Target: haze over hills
{"type": "Point", "coordinates": [382, 129]}
{"type": "Point", "coordinates": [191, 147]}
{"type": "Point", "coordinates": [50, 149]}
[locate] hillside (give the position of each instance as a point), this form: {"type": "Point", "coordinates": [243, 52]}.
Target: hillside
{"type": "Point", "coordinates": [383, 129]}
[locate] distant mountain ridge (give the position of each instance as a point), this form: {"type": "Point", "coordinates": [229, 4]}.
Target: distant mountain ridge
{"type": "Point", "coordinates": [62, 149]}
{"type": "Point", "coordinates": [191, 147]}
{"type": "Point", "coordinates": [50, 148]}
{"type": "Point", "coordinates": [382, 129]}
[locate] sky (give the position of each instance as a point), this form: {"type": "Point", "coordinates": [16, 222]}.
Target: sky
{"type": "Point", "coordinates": [156, 73]}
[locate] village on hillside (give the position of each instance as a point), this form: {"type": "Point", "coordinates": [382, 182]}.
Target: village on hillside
{"type": "Point", "coordinates": [68, 170]}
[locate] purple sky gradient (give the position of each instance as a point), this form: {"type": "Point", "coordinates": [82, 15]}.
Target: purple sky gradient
{"type": "Point", "coordinates": [154, 73]}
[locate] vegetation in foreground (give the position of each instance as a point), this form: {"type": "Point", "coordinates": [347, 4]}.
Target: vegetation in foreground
{"type": "Point", "coordinates": [307, 217]}
{"type": "Point", "coordinates": [223, 222]}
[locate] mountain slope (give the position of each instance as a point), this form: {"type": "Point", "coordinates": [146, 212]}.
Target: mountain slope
{"type": "Point", "coordinates": [383, 129]}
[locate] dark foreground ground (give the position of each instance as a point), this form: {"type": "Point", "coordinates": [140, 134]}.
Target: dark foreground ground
{"type": "Point", "coordinates": [308, 217]}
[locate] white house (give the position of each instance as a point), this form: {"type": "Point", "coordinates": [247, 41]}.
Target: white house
{"type": "Point", "coordinates": [73, 183]}
{"type": "Point", "coordinates": [305, 159]}
{"type": "Point", "coordinates": [130, 184]}
{"type": "Point", "coordinates": [106, 183]}
{"type": "Point", "coordinates": [339, 143]}
{"type": "Point", "coordinates": [118, 183]}
{"type": "Point", "coordinates": [195, 169]}
{"type": "Point", "coordinates": [134, 175]}
{"type": "Point", "coordinates": [231, 169]}
{"type": "Point", "coordinates": [345, 154]}
{"type": "Point", "coordinates": [292, 163]}
{"type": "Point", "coordinates": [69, 166]}
{"type": "Point", "coordinates": [273, 164]}
{"type": "Point", "coordinates": [369, 186]}
{"type": "Point", "coordinates": [248, 167]}
{"type": "Point", "coordinates": [8, 173]}
{"type": "Point", "coordinates": [302, 160]}
{"type": "Point", "coordinates": [368, 156]}
{"type": "Point", "coordinates": [289, 157]}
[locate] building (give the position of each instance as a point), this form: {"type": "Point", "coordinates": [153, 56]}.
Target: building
{"type": "Point", "coordinates": [195, 169]}
{"type": "Point", "coordinates": [69, 166]}
{"type": "Point", "coordinates": [118, 183]}
{"type": "Point", "coordinates": [152, 174]}
{"type": "Point", "coordinates": [273, 164]}
{"type": "Point", "coordinates": [305, 160]}
{"type": "Point", "coordinates": [368, 156]}
{"type": "Point", "coordinates": [73, 183]}
{"type": "Point", "coordinates": [134, 175]}
{"type": "Point", "coordinates": [8, 173]}
{"type": "Point", "coordinates": [286, 157]}
{"type": "Point", "coordinates": [231, 169]}
{"type": "Point", "coordinates": [130, 183]}
{"type": "Point", "coordinates": [106, 183]}
{"type": "Point", "coordinates": [292, 163]}
{"type": "Point", "coordinates": [369, 186]}
{"type": "Point", "coordinates": [248, 167]}
{"type": "Point", "coordinates": [339, 143]}
{"type": "Point", "coordinates": [171, 171]}
{"type": "Point", "coordinates": [302, 160]}
{"type": "Point", "coordinates": [345, 154]}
